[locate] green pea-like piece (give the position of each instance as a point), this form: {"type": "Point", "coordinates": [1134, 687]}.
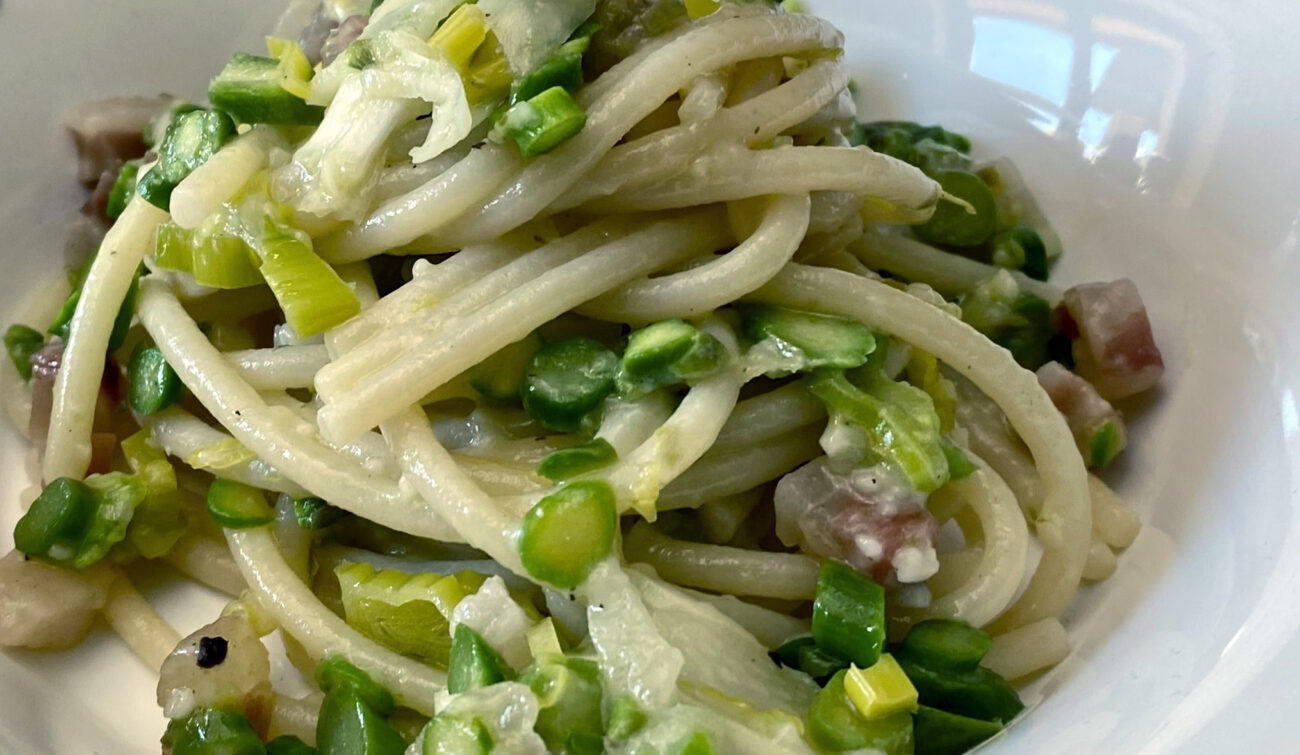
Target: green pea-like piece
{"type": "Point", "coordinates": [236, 506]}
{"type": "Point", "coordinates": [564, 463]}
{"type": "Point", "coordinates": [567, 380]}
{"type": "Point", "coordinates": [568, 532]}
{"type": "Point", "coordinates": [152, 384]}
{"type": "Point", "coordinates": [57, 520]}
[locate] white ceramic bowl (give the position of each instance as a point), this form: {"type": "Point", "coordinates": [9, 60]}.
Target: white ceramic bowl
{"type": "Point", "coordinates": [1159, 135]}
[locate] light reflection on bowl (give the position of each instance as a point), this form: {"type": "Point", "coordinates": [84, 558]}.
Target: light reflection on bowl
{"type": "Point", "coordinates": [1159, 137]}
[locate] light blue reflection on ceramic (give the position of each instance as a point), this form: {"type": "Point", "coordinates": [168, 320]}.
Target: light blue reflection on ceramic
{"type": "Point", "coordinates": [1100, 58]}
{"type": "Point", "coordinates": [1024, 55]}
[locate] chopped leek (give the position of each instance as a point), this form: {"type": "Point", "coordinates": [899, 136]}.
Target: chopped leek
{"type": "Point", "coordinates": [333, 172]}
{"type": "Point", "coordinates": [294, 68]}
{"type": "Point", "coordinates": [407, 613]}
{"type": "Point", "coordinates": [215, 259]}
{"type": "Point", "coordinates": [116, 499]}
{"type": "Point", "coordinates": [880, 690]}
{"type": "Point", "coordinates": [157, 522]}
{"type": "Point", "coordinates": [171, 248]}
{"type": "Point", "coordinates": [116, 496]}
{"type": "Point", "coordinates": [900, 421]}
{"type": "Point", "coordinates": [543, 640]}
{"type": "Point", "coordinates": [467, 40]}
{"type": "Point", "coordinates": [314, 298]}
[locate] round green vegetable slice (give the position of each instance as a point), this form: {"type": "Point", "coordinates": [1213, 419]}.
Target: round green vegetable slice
{"type": "Point", "coordinates": [568, 532]}
{"type": "Point", "coordinates": [237, 506]}
{"type": "Point", "coordinates": [567, 380]}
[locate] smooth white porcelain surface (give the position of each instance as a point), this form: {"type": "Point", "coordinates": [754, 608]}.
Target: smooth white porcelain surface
{"type": "Point", "coordinates": [1160, 138]}
{"type": "Point", "coordinates": [1158, 135]}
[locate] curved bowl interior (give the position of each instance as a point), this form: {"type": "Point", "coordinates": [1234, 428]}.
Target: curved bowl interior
{"type": "Point", "coordinates": [1156, 135]}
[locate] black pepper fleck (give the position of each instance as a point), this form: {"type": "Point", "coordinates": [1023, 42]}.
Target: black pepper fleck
{"type": "Point", "coordinates": [212, 651]}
